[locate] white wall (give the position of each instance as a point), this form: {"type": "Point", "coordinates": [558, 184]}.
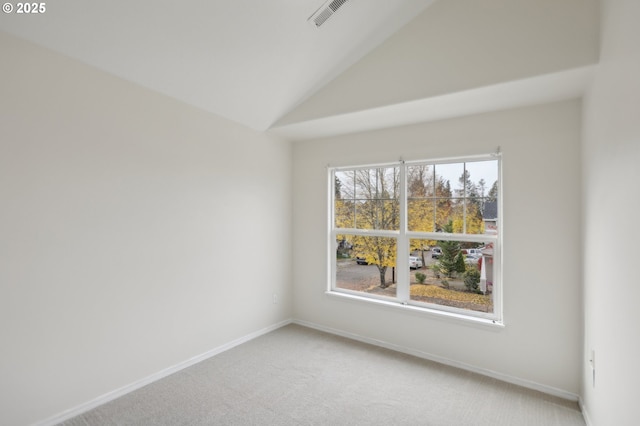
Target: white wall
{"type": "Point", "coordinates": [456, 45]}
{"type": "Point", "coordinates": [542, 340]}
{"type": "Point", "coordinates": [136, 232]}
{"type": "Point", "coordinates": [611, 205]}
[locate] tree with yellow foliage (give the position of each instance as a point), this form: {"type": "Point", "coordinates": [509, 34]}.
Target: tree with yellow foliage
{"type": "Point", "coordinates": [369, 199]}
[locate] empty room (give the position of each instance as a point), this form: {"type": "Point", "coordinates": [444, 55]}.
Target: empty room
{"type": "Point", "coordinates": [319, 212]}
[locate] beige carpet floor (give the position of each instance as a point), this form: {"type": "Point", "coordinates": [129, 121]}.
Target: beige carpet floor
{"type": "Point", "coordinates": [299, 376]}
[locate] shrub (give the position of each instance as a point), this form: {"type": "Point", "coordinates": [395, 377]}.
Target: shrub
{"type": "Point", "coordinates": [471, 279]}
{"type": "Point", "coordinates": [420, 277]}
{"type": "Point", "coordinates": [342, 254]}
{"type": "Point", "coordinates": [436, 270]}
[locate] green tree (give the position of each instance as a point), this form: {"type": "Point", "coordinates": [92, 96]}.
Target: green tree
{"type": "Point", "coordinates": [460, 265]}
{"type": "Point", "coordinates": [448, 263]}
{"type": "Point", "coordinates": [493, 192]}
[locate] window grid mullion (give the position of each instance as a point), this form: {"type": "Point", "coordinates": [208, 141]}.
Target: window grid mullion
{"type": "Point", "coordinates": [464, 198]}
{"type": "Point", "coordinates": [435, 199]}
{"type": "Point", "coordinates": [402, 287]}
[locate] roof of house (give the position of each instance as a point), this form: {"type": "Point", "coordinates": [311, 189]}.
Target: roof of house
{"type": "Point", "coordinates": [490, 210]}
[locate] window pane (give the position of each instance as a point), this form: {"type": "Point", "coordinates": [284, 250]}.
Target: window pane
{"type": "Point", "coordinates": [370, 267]}
{"type": "Point", "coordinates": [447, 179]}
{"type": "Point", "coordinates": [378, 183]}
{"type": "Point", "coordinates": [473, 217]}
{"type": "Point", "coordinates": [376, 198]}
{"type": "Point", "coordinates": [450, 215]}
{"type": "Point", "coordinates": [344, 185]}
{"type": "Point", "coordinates": [443, 207]}
{"type": "Point", "coordinates": [420, 181]}
{"type": "Point", "coordinates": [421, 214]}
{"type": "Point", "coordinates": [481, 195]}
{"type": "Point", "coordinates": [344, 206]}
{"type": "Point", "coordinates": [344, 214]}
{"type": "Point", "coordinates": [490, 215]}
{"type": "Point", "coordinates": [454, 273]}
{"type": "Point", "coordinates": [378, 214]}
{"type": "Point", "coordinates": [481, 176]}
{"type": "Point", "coordinates": [463, 192]}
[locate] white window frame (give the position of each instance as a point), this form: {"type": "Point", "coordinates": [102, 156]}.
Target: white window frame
{"type": "Point", "coordinates": [403, 235]}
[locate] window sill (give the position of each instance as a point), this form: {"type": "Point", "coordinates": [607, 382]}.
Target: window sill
{"type": "Point", "coordinates": [434, 313]}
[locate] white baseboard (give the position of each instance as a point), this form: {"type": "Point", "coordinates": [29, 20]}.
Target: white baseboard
{"type": "Point", "coordinates": [585, 413]}
{"type": "Point", "coordinates": [110, 396]}
{"type": "Point", "coordinates": [453, 363]}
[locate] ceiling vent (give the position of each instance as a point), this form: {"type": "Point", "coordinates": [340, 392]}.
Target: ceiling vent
{"type": "Point", "coordinates": [325, 12]}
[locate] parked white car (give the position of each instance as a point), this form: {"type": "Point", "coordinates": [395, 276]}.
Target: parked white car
{"type": "Point", "coordinates": [415, 262]}
{"type": "Point", "coordinates": [472, 259]}
{"type": "Point", "coordinates": [474, 251]}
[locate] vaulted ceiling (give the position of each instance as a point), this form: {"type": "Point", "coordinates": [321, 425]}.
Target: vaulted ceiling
{"type": "Point", "coordinates": [250, 61]}
{"type": "Point", "coordinates": [374, 63]}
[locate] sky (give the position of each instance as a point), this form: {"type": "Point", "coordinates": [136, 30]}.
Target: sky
{"type": "Point", "coordinates": [487, 170]}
